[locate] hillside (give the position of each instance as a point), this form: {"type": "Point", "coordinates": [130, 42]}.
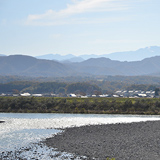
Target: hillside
{"type": "Point", "coordinates": [20, 65]}
{"type": "Point", "coordinates": [105, 66]}
{"type": "Point", "coordinates": [30, 66]}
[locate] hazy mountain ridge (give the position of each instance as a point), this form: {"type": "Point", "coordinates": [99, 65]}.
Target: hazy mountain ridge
{"type": "Point", "coordinates": [57, 57]}
{"type": "Point", "coordinates": [2, 55]}
{"type": "Point", "coordinates": [29, 66]}
{"type": "Point", "coordinates": [137, 55]}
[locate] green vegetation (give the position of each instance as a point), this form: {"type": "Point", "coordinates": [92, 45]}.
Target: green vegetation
{"type": "Point", "coordinates": [83, 88]}
{"type": "Point", "coordinates": [49, 87]}
{"type": "Point", "coordinates": [110, 159]}
{"type": "Point", "coordinates": [80, 105]}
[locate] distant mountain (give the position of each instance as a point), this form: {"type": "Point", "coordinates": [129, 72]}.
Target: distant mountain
{"type": "Point", "coordinates": [29, 66]}
{"type": "Point", "coordinates": [97, 66]}
{"type": "Point", "coordinates": [85, 57]}
{"type": "Point", "coordinates": [2, 55]}
{"type": "Point", "coordinates": [56, 57]}
{"type": "Point", "coordinates": [74, 59]}
{"type": "Point", "coordinates": [137, 55]}
{"type": "Point", "coordinates": [106, 66]}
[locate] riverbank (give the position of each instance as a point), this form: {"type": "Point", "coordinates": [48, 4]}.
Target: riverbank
{"type": "Point", "coordinates": [136, 106]}
{"type": "Point", "coordinates": [130, 141]}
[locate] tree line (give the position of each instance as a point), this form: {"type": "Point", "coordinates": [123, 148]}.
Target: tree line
{"type": "Point", "coordinates": [80, 105]}
{"type": "Point", "coordinates": [49, 87]}
{"type": "Point", "coordinates": [83, 88]}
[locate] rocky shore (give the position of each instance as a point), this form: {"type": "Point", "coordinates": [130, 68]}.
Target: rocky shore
{"type": "Point", "coordinates": [130, 141]}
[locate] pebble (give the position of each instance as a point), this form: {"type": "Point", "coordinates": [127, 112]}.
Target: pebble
{"type": "Point", "coordinates": [129, 141]}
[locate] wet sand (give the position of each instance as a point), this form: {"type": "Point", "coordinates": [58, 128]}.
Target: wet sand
{"type": "Point", "coordinates": [131, 141]}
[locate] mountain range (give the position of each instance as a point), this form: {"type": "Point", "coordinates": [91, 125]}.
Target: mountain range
{"type": "Point", "coordinates": [137, 55]}
{"type": "Point", "coordinates": [30, 66]}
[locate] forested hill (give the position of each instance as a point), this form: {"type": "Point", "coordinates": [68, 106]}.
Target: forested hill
{"type": "Point", "coordinates": [30, 66]}
{"type": "Point", "coordinates": [105, 66]}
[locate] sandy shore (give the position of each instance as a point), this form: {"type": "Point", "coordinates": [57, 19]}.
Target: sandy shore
{"type": "Point", "coordinates": [132, 141]}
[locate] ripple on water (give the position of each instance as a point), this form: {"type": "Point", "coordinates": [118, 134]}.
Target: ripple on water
{"type": "Point", "coordinates": [18, 132]}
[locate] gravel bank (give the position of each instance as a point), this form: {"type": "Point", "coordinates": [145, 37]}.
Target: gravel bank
{"type": "Point", "coordinates": [132, 141]}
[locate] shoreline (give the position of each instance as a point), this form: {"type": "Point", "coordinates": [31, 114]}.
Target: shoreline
{"type": "Point", "coordinates": [122, 141]}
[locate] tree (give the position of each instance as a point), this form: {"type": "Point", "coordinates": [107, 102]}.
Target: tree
{"type": "Point", "coordinates": [156, 91]}
{"type": "Point", "coordinates": [15, 91]}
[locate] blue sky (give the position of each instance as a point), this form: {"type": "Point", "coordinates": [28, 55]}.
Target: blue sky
{"type": "Point", "coordinates": [37, 27]}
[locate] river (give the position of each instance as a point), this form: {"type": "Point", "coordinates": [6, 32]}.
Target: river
{"type": "Point", "coordinates": [23, 129]}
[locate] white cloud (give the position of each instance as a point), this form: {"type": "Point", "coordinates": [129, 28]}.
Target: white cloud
{"type": "Point", "coordinates": [52, 17]}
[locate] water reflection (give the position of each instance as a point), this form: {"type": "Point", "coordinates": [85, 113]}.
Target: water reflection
{"type": "Point", "coordinates": [21, 129]}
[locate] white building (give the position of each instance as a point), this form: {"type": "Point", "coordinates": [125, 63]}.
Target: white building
{"type": "Point", "coordinates": [72, 95]}
{"type": "Point", "coordinates": [25, 94]}
{"type": "Point", "coordinates": [37, 95]}
{"type": "Point", "coordinates": [104, 95]}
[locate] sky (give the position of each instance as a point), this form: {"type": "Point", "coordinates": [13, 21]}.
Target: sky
{"type": "Point", "coordinates": [78, 27]}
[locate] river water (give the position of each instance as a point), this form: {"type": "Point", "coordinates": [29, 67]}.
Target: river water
{"type": "Point", "coordinates": [23, 129]}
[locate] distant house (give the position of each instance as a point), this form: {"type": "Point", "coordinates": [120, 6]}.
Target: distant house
{"type": "Point", "coordinates": [153, 93]}
{"type": "Point", "coordinates": [72, 95]}
{"type": "Point", "coordinates": [115, 95]}
{"type": "Point", "coordinates": [15, 95]}
{"type": "Point", "coordinates": [104, 95]}
{"type": "Point", "coordinates": [84, 96]}
{"type": "Point", "coordinates": [25, 94]}
{"type": "Point", "coordinates": [130, 93]}
{"type": "Point", "coordinates": [125, 93]}
{"type": "Point", "coordinates": [3, 94]}
{"type": "Point", "coordinates": [37, 95]}
{"type": "Point", "coordinates": [142, 95]}
{"type": "Point", "coordinates": [53, 95]}
{"type": "Point", "coordinates": [118, 92]}
{"type": "Point", "coordinates": [135, 93]}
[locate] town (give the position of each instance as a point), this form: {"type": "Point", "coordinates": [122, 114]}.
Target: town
{"type": "Point", "coordinates": [119, 93]}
